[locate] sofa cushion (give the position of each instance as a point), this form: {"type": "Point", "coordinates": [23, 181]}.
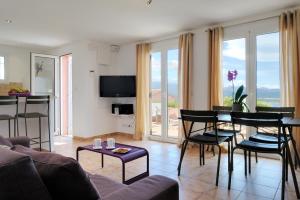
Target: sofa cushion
{"type": "Point", "coordinates": [105, 186]}
{"type": "Point", "coordinates": [6, 142]}
{"type": "Point", "coordinates": [19, 178]}
{"type": "Point", "coordinates": [153, 187]}
{"type": "Point", "coordinates": [63, 176]}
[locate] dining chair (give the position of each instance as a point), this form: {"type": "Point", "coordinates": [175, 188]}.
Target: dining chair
{"type": "Point", "coordinates": [189, 118]}
{"type": "Point", "coordinates": [222, 131]}
{"type": "Point", "coordinates": [258, 120]}
{"type": "Point", "coordinates": [226, 110]}
{"type": "Point", "coordinates": [269, 135]}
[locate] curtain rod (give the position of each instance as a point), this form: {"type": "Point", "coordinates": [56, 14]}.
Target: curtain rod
{"type": "Point", "coordinates": [241, 23]}
{"type": "Point", "coordinates": [274, 14]}
{"type": "Point", "coordinates": [171, 37]}
{"type": "Point", "coordinates": [225, 25]}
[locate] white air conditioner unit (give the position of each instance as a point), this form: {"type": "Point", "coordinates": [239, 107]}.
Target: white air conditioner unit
{"type": "Point", "coordinates": [105, 54]}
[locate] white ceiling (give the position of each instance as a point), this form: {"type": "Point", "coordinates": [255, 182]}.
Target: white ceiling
{"type": "Point", "coordinates": [51, 23]}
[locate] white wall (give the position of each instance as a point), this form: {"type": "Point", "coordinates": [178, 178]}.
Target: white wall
{"type": "Point", "coordinates": [200, 90]}
{"type": "Point", "coordinates": [125, 64]}
{"type": "Point", "coordinates": [17, 67]}
{"type": "Point", "coordinates": [17, 64]}
{"type": "Point", "coordinates": [91, 114]}
{"type": "Point", "coordinates": [127, 57]}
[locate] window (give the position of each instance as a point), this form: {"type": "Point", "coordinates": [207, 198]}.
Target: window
{"type": "Point", "coordinates": [173, 96]}
{"type": "Point", "coordinates": [156, 93]}
{"type": "Point", "coordinates": [164, 106]}
{"type": "Point", "coordinates": [267, 69]}
{"type": "Point", "coordinates": [234, 58]}
{"type": "Point", "coordinates": [2, 63]}
{"type": "Point", "coordinates": [253, 50]}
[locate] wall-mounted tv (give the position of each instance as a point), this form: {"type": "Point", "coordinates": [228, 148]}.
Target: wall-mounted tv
{"type": "Point", "coordinates": [117, 86]}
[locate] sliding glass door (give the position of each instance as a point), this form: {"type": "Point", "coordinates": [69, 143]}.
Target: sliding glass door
{"type": "Point", "coordinates": [156, 94]}
{"type": "Point", "coordinates": [267, 70]}
{"type": "Point", "coordinates": [164, 101]}
{"type": "Point", "coordinates": [253, 50]}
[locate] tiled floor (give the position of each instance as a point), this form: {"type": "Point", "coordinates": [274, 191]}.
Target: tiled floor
{"type": "Point", "coordinates": [196, 182]}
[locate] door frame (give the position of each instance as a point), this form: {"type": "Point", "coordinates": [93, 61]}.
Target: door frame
{"type": "Point", "coordinates": [162, 47]}
{"type": "Point", "coordinates": [55, 93]}
{"type": "Point", "coordinates": [250, 31]}
{"type": "Point", "coordinates": [60, 101]}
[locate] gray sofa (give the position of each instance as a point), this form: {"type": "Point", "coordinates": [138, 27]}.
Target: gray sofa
{"type": "Point", "coordinates": [26, 175]}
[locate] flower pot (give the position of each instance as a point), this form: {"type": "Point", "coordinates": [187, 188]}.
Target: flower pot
{"type": "Point", "coordinates": [237, 107]}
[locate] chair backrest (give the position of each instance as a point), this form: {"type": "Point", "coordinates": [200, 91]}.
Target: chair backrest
{"type": "Point", "coordinates": [9, 100]}
{"type": "Point", "coordinates": [198, 116]}
{"type": "Point", "coordinates": [222, 109]}
{"type": "Point", "coordinates": [285, 111]}
{"type": "Point", "coordinates": [257, 120]}
{"type": "Point", "coordinates": [40, 99]}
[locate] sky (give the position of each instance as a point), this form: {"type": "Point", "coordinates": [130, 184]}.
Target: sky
{"type": "Point", "coordinates": [172, 66]}
{"type": "Point", "coordinates": [234, 57]}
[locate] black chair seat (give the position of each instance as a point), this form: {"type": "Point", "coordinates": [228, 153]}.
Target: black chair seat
{"type": "Point", "coordinates": [207, 139]}
{"type": "Point", "coordinates": [6, 117]}
{"type": "Point", "coordinates": [257, 146]}
{"type": "Point", "coordinates": [31, 115]}
{"type": "Point", "coordinates": [266, 138]}
{"type": "Point", "coordinates": [221, 133]}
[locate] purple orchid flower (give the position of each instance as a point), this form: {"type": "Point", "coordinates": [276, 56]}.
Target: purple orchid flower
{"type": "Point", "coordinates": [232, 75]}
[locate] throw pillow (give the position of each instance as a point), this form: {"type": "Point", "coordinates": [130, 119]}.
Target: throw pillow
{"type": "Point", "coordinates": [63, 176]}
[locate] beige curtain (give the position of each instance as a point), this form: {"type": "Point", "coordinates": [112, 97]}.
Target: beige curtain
{"type": "Point", "coordinates": [142, 90]}
{"type": "Point", "coordinates": [215, 69]}
{"type": "Point", "coordinates": [290, 62]}
{"type": "Point", "coordinates": [185, 73]}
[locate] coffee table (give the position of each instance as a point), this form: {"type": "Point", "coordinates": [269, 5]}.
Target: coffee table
{"type": "Point", "coordinates": [133, 154]}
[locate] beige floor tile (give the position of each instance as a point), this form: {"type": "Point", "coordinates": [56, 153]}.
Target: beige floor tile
{"type": "Point", "coordinates": [196, 182]}
{"type": "Point", "coordinates": [246, 196]}
{"type": "Point", "coordinates": [287, 196]}
{"type": "Point", "coordinates": [260, 190]}
{"type": "Point", "coordinates": [219, 194]}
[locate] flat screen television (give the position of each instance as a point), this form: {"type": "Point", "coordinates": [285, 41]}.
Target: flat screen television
{"type": "Point", "coordinates": [117, 86]}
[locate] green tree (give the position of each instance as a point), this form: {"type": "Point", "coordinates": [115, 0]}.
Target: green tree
{"type": "Point", "coordinates": [228, 102]}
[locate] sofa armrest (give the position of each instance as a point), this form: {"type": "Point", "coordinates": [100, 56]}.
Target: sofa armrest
{"type": "Point", "coordinates": [22, 140]}
{"type": "Point", "coordinates": [151, 188]}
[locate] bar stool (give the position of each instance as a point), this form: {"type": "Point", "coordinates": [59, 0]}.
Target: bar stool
{"type": "Point", "coordinates": [33, 100]}
{"type": "Point", "coordinates": [9, 100]}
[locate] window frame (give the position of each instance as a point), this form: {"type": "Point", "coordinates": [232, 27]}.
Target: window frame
{"type": "Point", "coordinates": [4, 68]}
{"type": "Point", "coordinates": [249, 31]}
{"type": "Point", "coordinates": [163, 47]}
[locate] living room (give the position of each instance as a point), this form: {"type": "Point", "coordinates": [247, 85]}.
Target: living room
{"type": "Point", "coordinates": [148, 99]}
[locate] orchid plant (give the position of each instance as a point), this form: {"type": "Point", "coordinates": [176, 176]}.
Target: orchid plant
{"type": "Point", "coordinates": [237, 97]}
